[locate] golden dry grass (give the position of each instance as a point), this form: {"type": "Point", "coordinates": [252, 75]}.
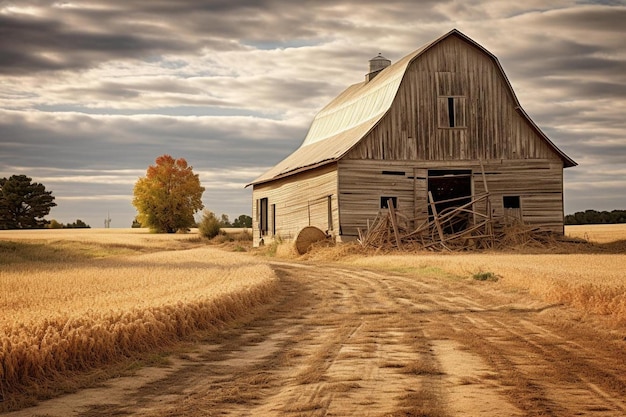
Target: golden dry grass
{"type": "Point", "coordinates": [134, 238]}
{"type": "Point", "coordinates": [597, 233]}
{"type": "Point", "coordinates": [590, 282]}
{"type": "Point", "coordinates": [63, 313]}
{"type": "Point", "coordinates": [594, 283]}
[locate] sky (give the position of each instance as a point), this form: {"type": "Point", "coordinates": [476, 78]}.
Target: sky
{"type": "Point", "coordinates": [92, 92]}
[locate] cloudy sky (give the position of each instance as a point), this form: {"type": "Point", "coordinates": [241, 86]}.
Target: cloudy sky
{"type": "Point", "coordinates": [91, 92]}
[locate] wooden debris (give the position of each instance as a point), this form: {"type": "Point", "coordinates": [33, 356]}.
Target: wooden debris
{"type": "Point", "coordinates": [453, 229]}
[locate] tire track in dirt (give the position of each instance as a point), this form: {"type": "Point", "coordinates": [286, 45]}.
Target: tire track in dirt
{"type": "Point", "coordinates": [341, 341]}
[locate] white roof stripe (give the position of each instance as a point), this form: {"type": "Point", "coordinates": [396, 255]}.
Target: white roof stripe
{"type": "Point", "coordinates": [340, 118]}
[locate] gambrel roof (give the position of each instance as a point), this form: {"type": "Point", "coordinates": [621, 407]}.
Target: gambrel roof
{"type": "Point", "coordinates": [348, 118]}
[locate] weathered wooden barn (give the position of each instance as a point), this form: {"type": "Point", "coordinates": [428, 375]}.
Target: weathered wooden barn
{"type": "Point", "coordinates": [442, 119]}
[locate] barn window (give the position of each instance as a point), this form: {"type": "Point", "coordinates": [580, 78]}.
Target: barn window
{"type": "Point", "coordinates": [399, 173]}
{"type": "Point", "coordinates": [263, 216]}
{"type": "Point", "coordinates": [451, 111]}
{"type": "Point", "coordinates": [330, 212]}
{"type": "Point", "coordinates": [511, 202]}
{"type": "Point", "coordinates": [384, 202]}
{"type": "Point", "coordinates": [512, 209]}
{"type": "Point", "coordinates": [273, 219]}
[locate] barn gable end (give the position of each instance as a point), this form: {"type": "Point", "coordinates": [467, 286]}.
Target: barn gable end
{"type": "Point", "coordinates": [487, 123]}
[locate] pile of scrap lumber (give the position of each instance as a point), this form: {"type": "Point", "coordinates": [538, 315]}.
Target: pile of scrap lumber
{"type": "Point", "coordinates": [391, 230]}
{"type": "Point", "coordinates": [456, 228]}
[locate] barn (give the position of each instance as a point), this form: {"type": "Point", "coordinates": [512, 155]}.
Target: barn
{"type": "Point", "coordinates": [443, 119]}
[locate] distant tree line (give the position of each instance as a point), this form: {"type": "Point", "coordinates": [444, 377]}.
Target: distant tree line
{"type": "Point", "coordinates": [596, 217]}
{"type": "Point", "coordinates": [241, 221]}
{"type": "Point", "coordinates": [78, 224]}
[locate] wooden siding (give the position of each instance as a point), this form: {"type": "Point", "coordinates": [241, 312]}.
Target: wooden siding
{"type": "Point", "coordinates": [538, 183]}
{"type": "Point", "coordinates": [493, 127]}
{"type": "Point", "coordinates": [299, 200]}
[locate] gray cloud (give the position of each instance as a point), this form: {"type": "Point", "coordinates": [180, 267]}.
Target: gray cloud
{"type": "Point", "coordinates": [79, 141]}
{"type": "Point", "coordinates": [31, 44]}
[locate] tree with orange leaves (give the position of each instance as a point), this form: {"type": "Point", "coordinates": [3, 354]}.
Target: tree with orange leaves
{"type": "Point", "coordinates": [168, 196]}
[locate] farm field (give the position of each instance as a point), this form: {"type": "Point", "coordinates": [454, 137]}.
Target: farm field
{"type": "Point", "coordinates": [597, 233]}
{"type": "Point", "coordinates": [74, 300]}
{"type": "Point", "coordinates": [380, 335]}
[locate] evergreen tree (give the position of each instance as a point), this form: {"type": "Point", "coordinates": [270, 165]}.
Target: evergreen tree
{"type": "Point", "coordinates": [23, 204]}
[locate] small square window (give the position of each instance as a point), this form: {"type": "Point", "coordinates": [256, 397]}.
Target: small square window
{"type": "Point", "coordinates": [384, 202]}
{"type": "Point", "coordinates": [511, 202]}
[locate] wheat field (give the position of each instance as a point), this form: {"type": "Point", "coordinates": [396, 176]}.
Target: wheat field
{"type": "Point", "coordinates": [597, 233]}
{"type": "Point", "coordinates": [90, 298]}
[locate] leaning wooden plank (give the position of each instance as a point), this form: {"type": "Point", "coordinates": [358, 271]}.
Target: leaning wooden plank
{"type": "Point", "coordinates": [394, 223]}
{"type": "Point", "coordinates": [437, 224]}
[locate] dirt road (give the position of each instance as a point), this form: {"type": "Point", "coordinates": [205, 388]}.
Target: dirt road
{"type": "Point", "coordinates": [347, 342]}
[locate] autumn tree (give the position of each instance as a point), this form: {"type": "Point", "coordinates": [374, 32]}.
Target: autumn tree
{"type": "Point", "coordinates": [23, 204]}
{"type": "Point", "coordinates": [168, 196]}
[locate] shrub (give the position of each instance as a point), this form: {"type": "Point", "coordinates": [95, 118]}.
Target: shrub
{"type": "Point", "coordinates": [54, 225]}
{"type": "Point", "coordinates": [485, 276]}
{"type": "Point", "coordinates": [209, 225]}
{"type": "Point", "coordinates": [244, 236]}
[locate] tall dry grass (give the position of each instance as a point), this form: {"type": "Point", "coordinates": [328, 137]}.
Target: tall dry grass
{"type": "Point", "coordinates": [57, 318]}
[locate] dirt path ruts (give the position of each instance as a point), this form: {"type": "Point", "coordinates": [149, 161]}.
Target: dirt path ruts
{"type": "Point", "coordinates": [343, 341]}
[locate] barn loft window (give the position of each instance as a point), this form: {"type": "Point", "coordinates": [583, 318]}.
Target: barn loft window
{"type": "Point", "coordinates": [451, 111]}
{"type": "Point", "coordinates": [384, 202]}
{"type": "Point", "coordinates": [451, 101]}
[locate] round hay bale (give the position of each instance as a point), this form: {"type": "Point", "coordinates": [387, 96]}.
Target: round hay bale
{"type": "Point", "coordinates": [307, 237]}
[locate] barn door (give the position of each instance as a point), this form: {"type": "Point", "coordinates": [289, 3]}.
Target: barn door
{"type": "Point", "coordinates": [451, 189]}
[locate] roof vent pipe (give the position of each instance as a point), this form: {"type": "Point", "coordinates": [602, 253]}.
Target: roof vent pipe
{"type": "Point", "coordinates": [377, 64]}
